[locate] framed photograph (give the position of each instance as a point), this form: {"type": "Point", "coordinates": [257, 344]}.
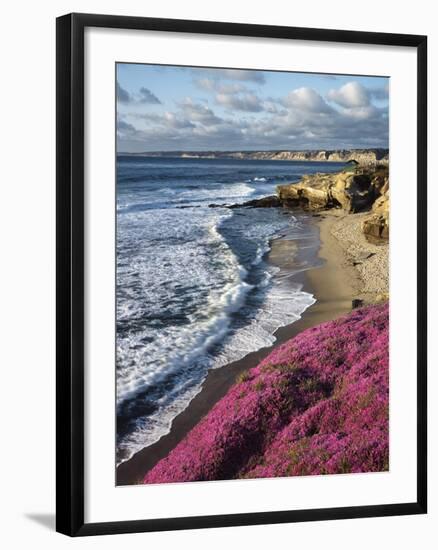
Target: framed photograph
{"type": "Point", "coordinates": [241, 274]}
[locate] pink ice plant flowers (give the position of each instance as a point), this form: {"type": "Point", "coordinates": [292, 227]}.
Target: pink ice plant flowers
{"type": "Point", "coordinates": [318, 404]}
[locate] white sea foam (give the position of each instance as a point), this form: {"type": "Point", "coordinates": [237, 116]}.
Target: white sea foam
{"type": "Point", "coordinates": [157, 276]}
{"type": "Point", "coordinates": [281, 308]}
{"type": "Point", "coordinates": [175, 350]}
{"type": "Point", "coordinates": [181, 288]}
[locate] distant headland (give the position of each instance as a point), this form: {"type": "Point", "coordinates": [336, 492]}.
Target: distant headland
{"type": "Point", "coordinates": [362, 156]}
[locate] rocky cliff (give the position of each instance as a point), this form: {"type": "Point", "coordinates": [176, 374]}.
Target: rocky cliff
{"type": "Point", "coordinates": [363, 156]}
{"type": "Point", "coordinates": [377, 225]}
{"type": "Point", "coordinates": [358, 191]}
{"type": "Point", "coordinates": [318, 404]}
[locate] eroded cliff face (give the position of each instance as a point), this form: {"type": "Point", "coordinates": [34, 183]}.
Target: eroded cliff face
{"type": "Point", "coordinates": [362, 156]}
{"type": "Point", "coordinates": [353, 192]}
{"type": "Point", "coordinates": [365, 157]}
{"type": "Point", "coordinates": [312, 192]}
{"type": "Point", "coordinates": [377, 225]}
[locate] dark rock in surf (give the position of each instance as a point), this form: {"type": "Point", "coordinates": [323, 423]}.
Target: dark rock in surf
{"type": "Point", "coordinates": [271, 201]}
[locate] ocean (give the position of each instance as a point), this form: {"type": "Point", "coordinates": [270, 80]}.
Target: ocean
{"type": "Point", "coordinates": [194, 289]}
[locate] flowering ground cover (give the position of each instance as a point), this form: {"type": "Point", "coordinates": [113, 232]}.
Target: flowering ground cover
{"type": "Point", "coordinates": [318, 404]}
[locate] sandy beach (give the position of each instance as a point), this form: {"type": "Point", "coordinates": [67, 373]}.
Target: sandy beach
{"type": "Point", "coordinates": [370, 260]}
{"type": "Point", "coordinates": [351, 268]}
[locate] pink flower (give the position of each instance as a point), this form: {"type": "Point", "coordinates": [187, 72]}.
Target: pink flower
{"type": "Point", "coordinates": [318, 404]}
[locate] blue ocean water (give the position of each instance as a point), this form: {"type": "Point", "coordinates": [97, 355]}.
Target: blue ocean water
{"type": "Point", "coordinates": [194, 291]}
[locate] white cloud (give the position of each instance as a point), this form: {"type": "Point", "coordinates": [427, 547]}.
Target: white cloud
{"type": "Point", "coordinates": [349, 95]}
{"type": "Point", "coordinates": [361, 113]}
{"type": "Point", "coordinates": [248, 102]}
{"type": "Point", "coordinates": [302, 119]}
{"type": "Point", "coordinates": [306, 99]}
{"type": "Point", "coordinates": [240, 74]}
{"type": "Point", "coordinates": [196, 112]}
{"type": "Point", "coordinates": [213, 85]}
{"type": "Point", "coordinates": [172, 120]}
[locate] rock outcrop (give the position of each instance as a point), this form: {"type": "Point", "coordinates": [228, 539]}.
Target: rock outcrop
{"type": "Point", "coordinates": [351, 192]}
{"type": "Point", "coordinates": [354, 192]}
{"type": "Point", "coordinates": [362, 190]}
{"type": "Point", "coordinates": [377, 225]}
{"type": "Point", "coordinates": [316, 405]}
{"type": "Point", "coordinates": [271, 201]}
{"type": "Point", "coordinates": [312, 192]}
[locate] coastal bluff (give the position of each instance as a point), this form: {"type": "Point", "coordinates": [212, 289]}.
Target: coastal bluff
{"type": "Point", "coordinates": [358, 191]}
{"type": "Point", "coordinates": [365, 157]}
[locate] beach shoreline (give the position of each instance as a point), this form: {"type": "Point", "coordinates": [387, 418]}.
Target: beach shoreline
{"type": "Point", "coordinates": [335, 284]}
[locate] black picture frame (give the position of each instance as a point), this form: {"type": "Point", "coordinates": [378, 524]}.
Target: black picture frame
{"type": "Point", "coordinates": [70, 273]}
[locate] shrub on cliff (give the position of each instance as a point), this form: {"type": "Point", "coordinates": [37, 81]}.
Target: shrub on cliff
{"type": "Point", "coordinates": [318, 404]}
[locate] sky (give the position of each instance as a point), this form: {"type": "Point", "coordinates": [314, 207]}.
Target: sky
{"type": "Point", "coordinates": [169, 108]}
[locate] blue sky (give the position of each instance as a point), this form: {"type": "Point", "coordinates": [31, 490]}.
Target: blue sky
{"type": "Point", "coordinates": [165, 108]}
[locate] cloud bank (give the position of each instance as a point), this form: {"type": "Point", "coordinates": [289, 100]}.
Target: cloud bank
{"type": "Point", "coordinates": [235, 113]}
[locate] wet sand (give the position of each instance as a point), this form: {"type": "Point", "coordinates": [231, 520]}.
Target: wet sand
{"type": "Point", "coordinates": [334, 284]}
